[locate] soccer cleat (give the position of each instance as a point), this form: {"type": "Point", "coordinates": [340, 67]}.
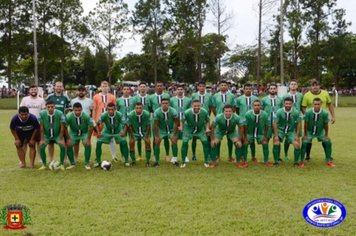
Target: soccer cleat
{"type": "Point", "coordinates": [61, 167]}
{"type": "Point", "coordinates": [175, 163]}
{"type": "Point", "coordinates": [70, 167]}
{"type": "Point", "coordinates": [280, 160]}
{"type": "Point", "coordinates": [114, 159]}
{"type": "Point", "coordinates": [276, 163]}
{"type": "Point", "coordinates": [307, 158]}
{"type": "Point", "coordinates": [330, 163]}
{"type": "Point", "coordinates": [218, 159]}
{"type": "Point", "coordinates": [156, 164]}
{"type": "Point", "coordinates": [174, 159]}
{"type": "Point", "coordinates": [296, 164]}
{"type": "Point", "coordinates": [301, 165]}
{"type": "Point", "coordinates": [206, 165]}
{"type": "Point", "coordinates": [167, 158]}
{"type": "Point", "coordinates": [268, 164]}
{"type": "Point", "coordinates": [244, 164]}
{"type": "Point", "coordinates": [148, 164]}
{"type": "Point", "coordinates": [186, 159]}
{"type": "Point", "coordinates": [43, 167]}
{"type": "Point", "coordinates": [286, 158]}
{"type": "Point", "coordinates": [139, 158]}
{"type": "Point", "coordinates": [183, 165]}
{"type": "Point", "coordinates": [96, 165]}
{"type": "Point", "coordinates": [126, 164]}
{"type": "Point", "coordinates": [194, 158]}
{"type": "Point", "coordinates": [213, 165]}
{"type": "Point", "coordinates": [133, 163]}
{"type": "Point", "coordinates": [231, 159]}
{"type": "Point", "coordinates": [87, 167]}
{"type": "Point", "coordinates": [254, 159]}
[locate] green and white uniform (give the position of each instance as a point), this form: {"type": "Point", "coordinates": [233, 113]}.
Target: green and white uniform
{"type": "Point", "coordinates": [194, 126]}
{"type": "Point", "coordinates": [287, 124]}
{"type": "Point", "coordinates": [139, 123]}
{"type": "Point", "coordinates": [206, 100]}
{"type": "Point", "coordinates": [180, 105]}
{"type": "Point", "coordinates": [245, 103]}
{"type": "Point", "coordinates": [52, 131]}
{"type": "Point", "coordinates": [271, 105]}
{"type": "Point", "coordinates": [145, 100]}
{"type": "Point", "coordinates": [112, 128]}
{"type": "Point", "coordinates": [297, 100]}
{"type": "Point", "coordinates": [78, 131]}
{"type": "Point", "coordinates": [155, 100]}
{"type": "Point", "coordinates": [221, 99]}
{"type": "Point", "coordinates": [316, 122]}
{"type": "Point", "coordinates": [256, 125]}
{"type": "Point", "coordinates": [125, 106]}
{"type": "Point", "coordinates": [61, 102]}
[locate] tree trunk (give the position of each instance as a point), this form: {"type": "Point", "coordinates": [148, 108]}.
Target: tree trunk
{"type": "Point", "coordinates": [258, 72]}
{"type": "Point", "coordinates": [9, 47]}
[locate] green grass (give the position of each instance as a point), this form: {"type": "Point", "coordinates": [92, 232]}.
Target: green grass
{"type": "Point", "coordinates": [173, 201]}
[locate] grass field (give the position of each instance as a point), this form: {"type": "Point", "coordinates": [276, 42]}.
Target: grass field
{"type": "Point", "coordinates": [174, 201]}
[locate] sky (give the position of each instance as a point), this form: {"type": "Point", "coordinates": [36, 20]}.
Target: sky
{"type": "Point", "coordinates": [244, 29]}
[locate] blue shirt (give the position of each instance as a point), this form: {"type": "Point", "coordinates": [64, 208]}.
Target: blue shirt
{"type": "Point", "coordinates": [24, 127]}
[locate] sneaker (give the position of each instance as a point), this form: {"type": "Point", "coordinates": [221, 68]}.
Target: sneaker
{"type": "Point", "coordinates": [183, 165]}
{"type": "Point", "coordinates": [244, 164]}
{"type": "Point", "coordinates": [126, 164]}
{"type": "Point", "coordinates": [174, 159]}
{"type": "Point", "coordinates": [133, 163]}
{"type": "Point", "coordinates": [218, 159]}
{"type": "Point", "coordinates": [176, 163]}
{"type": "Point", "coordinates": [70, 167]}
{"type": "Point", "coordinates": [213, 165]}
{"type": "Point", "coordinates": [148, 164]}
{"type": "Point", "coordinates": [254, 159]}
{"type": "Point", "coordinates": [295, 164]}
{"type": "Point", "coordinates": [286, 158]}
{"type": "Point", "coordinates": [156, 164]}
{"type": "Point", "coordinates": [186, 159]}
{"type": "Point", "coordinates": [331, 158]}
{"type": "Point", "coordinates": [139, 158]}
{"type": "Point", "coordinates": [206, 165]}
{"type": "Point", "coordinates": [280, 160]}
{"type": "Point", "coordinates": [307, 158]}
{"type": "Point", "coordinates": [43, 167]}
{"type": "Point", "coordinates": [276, 163]}
{"type": "Point", "coordinates": [194, 158]}
{"type": "Point", "coordinates": [167, 158]}
{"type": "Point", "coordinates": [96, 165]}
{"type": "Point", "coordinates": [268, 164]}
{"type": "Point", "coordinates": [330, 163]}
{"type": "Point", "coordinates": [114, 159]}
{"type": "Point", "coordinates": [301, 165]}
{"type": "Point", "coordinates": [231, 159]}
{"type": "Point", "coordinates": [87, 167]}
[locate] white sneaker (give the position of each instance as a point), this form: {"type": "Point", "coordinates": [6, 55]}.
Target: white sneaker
{"type": "Point", "coordinates": [174, 159]}
{"type": "Point", "coordinates": [70, 167]}
{"type": "Point", "coordinates": [183, 165]}
{"type": "Point", "coordinates": [87, 167]}
{"type": "Point", "coordinates": [186, 159]}
{"type": "Point", "coordinates": [114, 159]}
{"type": "Point", "coordinates": [167, 158]}
{"type": "Point", "coordinates": [206, 165]}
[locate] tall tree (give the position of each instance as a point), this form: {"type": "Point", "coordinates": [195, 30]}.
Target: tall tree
{"type": "Point", "coordinates": [109, 22]}
{"type": "Point", "coordinates": [222, 21]}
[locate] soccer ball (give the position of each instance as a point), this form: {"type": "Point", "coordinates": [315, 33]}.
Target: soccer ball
{"type": "Point", "coordinates": [106, 165]}
{"type": "Point", "coordinates": [54, 165]}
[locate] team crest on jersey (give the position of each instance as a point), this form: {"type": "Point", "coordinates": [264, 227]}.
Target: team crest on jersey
{"type": "Point", "coordinates": [15, 217]}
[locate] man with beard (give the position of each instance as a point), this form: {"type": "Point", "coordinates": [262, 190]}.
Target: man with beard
{"type": "Point", "coordinates": [33, 102]}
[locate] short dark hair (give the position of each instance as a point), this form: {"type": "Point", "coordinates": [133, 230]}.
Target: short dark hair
{"type": "Point", "coordinates": [23, 109]}
{"type": "Point", "coordinates": [164, 99]}
{"type": "Point", "coordinates": [180, 85]}
{"type": "Point", "coordinates": [201, 82]}
{"type": "Point", "coordinates": [138, 104]}
{"type": "Point", "coordinates": [33, 86]}
{"type": "Point", "coordinates": [257, 101]}
{"type": "Point", "coordinates": [247, 85]}
{"type": "Point", "coordinates": [272, 84]}
{"type": "Point", "coordinates": [227, 106]}
{"type": "Point", "coordinates": [111, 104]}
{"type": "Point", "coordinates": [195, 100]}
{"type": "Point", "coordinates": [77, 105]}
{"type": "Point", "coordinates": [50, 102]}
{"type": "Point", "coordinates": [142, 82]}
{"type": "Point", "coordinates": [289, 99]}
{"type": "Point", "coordinates": [317, 100]}
{"type": "Point", "coordinates": [222, 82]}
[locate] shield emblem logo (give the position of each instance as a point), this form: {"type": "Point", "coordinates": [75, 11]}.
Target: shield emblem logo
{"type": "Point", "coordinates": [14, 219]}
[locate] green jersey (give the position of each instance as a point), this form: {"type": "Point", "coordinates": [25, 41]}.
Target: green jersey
{"type": "Point", "coordinates": [227, 126]}
{"type": "Point", "coordinates": [287, 122]}
{"type": "Point", "coordinates": [244, 104]}
{"type": "Point", "coordinates": [139, 123]}
{"type": "Point", "coordinates": [221, 99]}
{"type": "Point", "coordinates": [80, 125]}
{"type": "Point", "coordinates": [155, 100]}
{"type": "Point", "coordinates": [51, 123]}
{"type": "Point", "coordinates": [180, 105]}
{"type": "Point", "coordinates": [125, 106]}
{"type": "Point", "coordinates": [256, 123]}
{"type": "Point", "coordinates": [206, 100]}
{"type": "Point", "coordinates": [112, 124]}
{"type": "Point", "coordinates": [195, 122]}
{"type": "Point", "coordinates": [61, 102]}
{"type": "Point", "coordinates": [316, 121]}
{"type": "Point", "coordinates": [297, 100]}
{"type": "Point", "coordinates": [144, 100]}
{"type": "Point", "coordinates": [271, 105]}
{"type": "Point", "coordinates": [165, 119]}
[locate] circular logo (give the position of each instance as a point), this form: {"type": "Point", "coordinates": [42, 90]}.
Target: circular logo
{"type": "Point", "coordinates": [324, 212]}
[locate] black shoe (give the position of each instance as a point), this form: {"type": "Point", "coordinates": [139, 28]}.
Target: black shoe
{"type": "Point", "coordinates": [148, 164]}
{"type": "Point", "coordinates": [194, 158]}
{"type": "Point", "coordinates": [276, 164]}
{"type": "Point", "coordinates": [307, 158]}
{"type": "Point", "coordinates": [331, 158]}
{"type": "Point", "coordinates": [176, 163]}
{"type": "Point", "coordinates": [280, 160]}
{"type": "Point", "coordinates": [133, 163]}
{"type": "Point", "coordinates": [296, 164]}
{"type": "Point", "coordinates": [156, 164]}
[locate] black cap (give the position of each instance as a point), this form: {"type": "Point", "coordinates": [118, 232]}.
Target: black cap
{"type": "Point", "coordinates": [314, 81]}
